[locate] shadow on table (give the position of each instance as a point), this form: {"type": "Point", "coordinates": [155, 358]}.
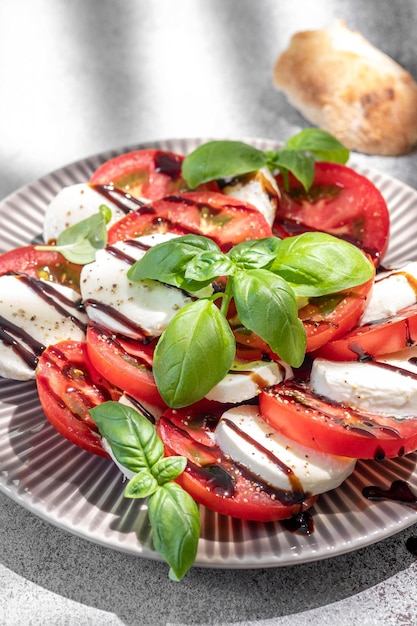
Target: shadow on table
{"type": "Point", "coordinates": [138, 591]}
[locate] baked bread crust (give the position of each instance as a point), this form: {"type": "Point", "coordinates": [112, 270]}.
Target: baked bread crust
{"type": "Point", "coordinates": [343, 84]}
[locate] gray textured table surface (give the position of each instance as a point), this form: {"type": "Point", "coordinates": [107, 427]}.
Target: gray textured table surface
{"type": "Point", "coordinates": [81, 76]}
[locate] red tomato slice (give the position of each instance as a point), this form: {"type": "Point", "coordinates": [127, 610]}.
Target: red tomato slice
{"type": "Point", "coordinates": [293, 410]}
{"type": "Point", "coordinates": [126, 363]}
{"type": "Point", "coordinates": [214, 480]}
{"type": "Point", "coordinates": [68, 387]}
{"type": "Point", "coordinates": [45, 264]}
{"type": "Point", "coordinates": [150, 174]}
{"type": "Point", "coordinates": [389, 335]}
{"type": "Point", "coordinates": [329, 317]}
{"type": "Point", "coordinates": [224, 219]}
{"type": "Point", "coordinates": [340, 202]}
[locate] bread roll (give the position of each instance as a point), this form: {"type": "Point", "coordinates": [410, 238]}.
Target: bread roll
{"type": "Point", "coordinates": [341, 83]}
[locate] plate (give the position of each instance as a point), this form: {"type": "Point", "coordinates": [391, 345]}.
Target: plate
{"type": "Point", "coordinates": [83, 494]}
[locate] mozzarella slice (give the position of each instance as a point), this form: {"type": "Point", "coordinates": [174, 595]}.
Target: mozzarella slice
{"type": "Point", "coordinates": [122, 306]}
{"type": "Point", "coordinates": [391, 292]}
{"type": "Point", "coordinates": [370, 386]}
{"type": "Point", "coordinates": [276, 460]}
{"type": "Point", "coordinates": [246, 380]}
{"type": "Point", "coordinates": [259, 189]}
{"type": "Point", "coordinates": [39, 313]}
{"type": "Point", "coordinates": [75, 203]}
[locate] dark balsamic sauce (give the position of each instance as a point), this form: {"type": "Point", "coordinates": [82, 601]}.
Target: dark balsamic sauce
{"type": "Point", "coordinates": [124, 201]}
{"type": "Point", "coordinates": [399, 491]}
{"type": "Point", "coordinates": [302, 523]}
{"type": "Point", "coordinates": [169, 164]}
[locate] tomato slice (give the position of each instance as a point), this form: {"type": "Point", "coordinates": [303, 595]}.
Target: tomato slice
{"type": "Point", "coordinates": [214, 480]}
{"type": "Point", "coordinates": [340, 202]}
{"type": "Point", "coordinates": [126, 363]}
{"type": "Point", "coordinates": [328, 317]}
{"type": "Point", "coordinates": [68, 387]}
{"type": "Point", "coordinates": [386, 336]}
{"type": "Point", "coordinates": [224, 219]}
{"type": "Point", "coordinates": [151, 174]}
{"type": "Point", "coordinates": [45, 264]}
{"type": "Point", "coordinates": [295, 411]}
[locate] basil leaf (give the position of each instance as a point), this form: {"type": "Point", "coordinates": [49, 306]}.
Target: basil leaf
{"type": "Point", "coordinates": [141, 485]}
{"type": "Point", "coordinates": [300, 164]}
{"type": "Point", "coordinates": [79, 243]}
{"type": "Point", "coordinates": [255, 253]}
{"type": "Point", "coordinates": [175, 521]}
{"type": "Point", "coordinates": [168, 261]}
{"type": "Point", "coordinates": [317, 264]}
{"type": "Point", "coordinates": [168, 468]}
{"type": "Point", "coordinates": [221, 159]}
{"type": "Point", "coordinates": [207, 266]}
{"type": "Point", "coordinates": [319, 143]}
{"type": "Point", "coordinates": [193, 354]}
{"type": "Point", "coordinates": [131, 436]}
{"type": "Point", "coordinates": [267, 306]}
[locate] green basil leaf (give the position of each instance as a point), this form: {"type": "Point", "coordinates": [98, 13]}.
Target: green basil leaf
{"type": "Point", "coordinates": [168, 261]}
{"type": "Point", "coordinates": [175, 521]}
{"type": "Point", "coordinates": [141, 485]}
{"type": "Point", "coordinates": [267, 306]}
{"type": "Point", "coordinates": [193, 354]}
{"type": "Point", "coordinates": [317, 264]}
{"type": "Point", "coordinates": [208, 266]}
{"type": "Point", "coordinates": [300, 164]}
{"type": "Point", "coordinates": [319, 143]}
{"type": "Point", "coordinates": [255, 253]}
{"type": "Point", "coordinates": [168, 468]}
{"type": "Point", "coordinates": [220, 159]}
{"type": "Point", "coordinates": [131, 436]}
{"type": "Point", "coordinates": [79, 243]}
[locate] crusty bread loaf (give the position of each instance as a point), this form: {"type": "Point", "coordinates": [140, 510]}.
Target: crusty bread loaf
{"type": "Point", "coordinates": [341, 83]}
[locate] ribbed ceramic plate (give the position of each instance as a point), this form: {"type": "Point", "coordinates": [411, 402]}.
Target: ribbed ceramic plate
{"type": "Point", "coordinates": [83, 494]}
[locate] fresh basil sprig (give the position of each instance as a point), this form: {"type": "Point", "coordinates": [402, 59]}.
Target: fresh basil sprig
{"type": "Point", "coordinates": [264, 277]}
{"type": "Point", "coordinates": [173, 514]}
{"type": "Point", "coordinates": [79, 243]}
{"type": "Point", "coordinates": [216, 160]}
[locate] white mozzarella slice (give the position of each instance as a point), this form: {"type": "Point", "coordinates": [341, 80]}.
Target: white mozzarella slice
{"type": "Point", "coordinates": [145, 408]}
{"type": "Point", "coordinates": [259, 189]}
{"type": "Point", "coordinates": [278, 461]}
{"type": "Point", "coordinates": [39, 313]}
{"type": "Point", "coordinates": [369, 386]}
{"type": "Point", "coordinates": [73, 204]}
{"type": "Point", "coordinates": [390, 293]}
{"type": "Point", "coordinates": [246, 380]}
{"type": "Point", "coordinates": [123, 306]}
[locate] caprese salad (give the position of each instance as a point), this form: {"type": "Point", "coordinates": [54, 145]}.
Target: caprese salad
{"type": "Point", "coordinates": [221, 326]}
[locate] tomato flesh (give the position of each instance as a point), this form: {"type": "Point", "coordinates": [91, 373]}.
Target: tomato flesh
{"type": "Point", "coordinates": [295, 411]}
{"type": "Point", "coordinates": [151, 174]}
{"type": "Point", "coordinates": [214, 480]}
{"type": "Point", "coordinates": [41, 264]}
{"type": "Point", "coordinates": [211, 214]}
{"type": "Point", "coordinates": [376, 338]}
{"type": "Point", "coordinates": [68, 387]}
{"type": "Point", "coordinates": [340, 202]}
{"type": "Point", "coordinates": [126, 363]}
